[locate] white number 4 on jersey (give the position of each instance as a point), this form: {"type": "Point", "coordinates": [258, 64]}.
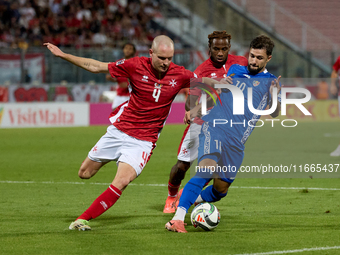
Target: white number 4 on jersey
{"type": "Point", "coordinates": [156, 94]}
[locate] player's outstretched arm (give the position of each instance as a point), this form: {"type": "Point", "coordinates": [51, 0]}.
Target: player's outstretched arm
{"type": "Point", "coordinates": [276, 84]}
{"type": "Point", "coordinates": [88, 64]}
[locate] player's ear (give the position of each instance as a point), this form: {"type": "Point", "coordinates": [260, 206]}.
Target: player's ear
{"type": "Point", "coordinates": [150, 52]}
{"type": "Point", "coordinates": [269, 58]}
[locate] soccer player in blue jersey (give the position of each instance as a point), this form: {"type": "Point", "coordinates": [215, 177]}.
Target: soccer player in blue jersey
{"type": "Point", "coordinates": [223, 134]}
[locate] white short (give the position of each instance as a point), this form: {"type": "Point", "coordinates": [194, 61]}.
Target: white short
{"type": "Point", "coordinates": [118, 146]}
{"type": "Point", "coordinates": [188, 148]}
{"type": "Point", "coordinates": [118, 100]}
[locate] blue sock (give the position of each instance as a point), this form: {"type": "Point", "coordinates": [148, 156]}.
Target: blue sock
{"type": "Point", "coordinates": [191, 191]}
{"type": "Point", "coordinates": [210, 194]}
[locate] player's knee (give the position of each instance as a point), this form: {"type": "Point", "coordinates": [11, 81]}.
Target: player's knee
{"type": "Point", "coordinates": [182, 165]}
{"type": "Point", "coordinates": [83, 174]}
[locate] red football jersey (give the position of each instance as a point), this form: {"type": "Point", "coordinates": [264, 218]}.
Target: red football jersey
{"type": "Point", "coordinates": [210, 69]}
{"type": "Point", "coordinates": [336, 67]}
{"type": "Point", "coordinates": [144, 115]}
{"type": "Point", "coordinates": [120, 90]}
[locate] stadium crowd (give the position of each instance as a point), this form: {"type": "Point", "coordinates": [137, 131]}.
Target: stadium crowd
{"type": "Point", "coordinates": [78, 23]}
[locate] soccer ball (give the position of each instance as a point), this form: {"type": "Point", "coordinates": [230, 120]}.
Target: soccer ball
{"type": "Point", "coordinates": [205, 216]}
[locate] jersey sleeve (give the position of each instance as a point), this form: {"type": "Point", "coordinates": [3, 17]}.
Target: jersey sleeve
{"type": "Point", "coordinates": [198, 72]}
{"type": "Point", "coordinates": [188, 77]}
{"type": "Point", "coordinates": [123, 68]}
{"type": "Point", "coordinates": [122, 79]}
{"type": "Point", "coordinates": [231, 70]}
{"type": "Point", "coordinates": [336, 65]}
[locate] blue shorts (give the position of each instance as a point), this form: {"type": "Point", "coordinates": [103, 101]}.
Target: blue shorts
{"type": "Point", "coordinates": [222, 149]}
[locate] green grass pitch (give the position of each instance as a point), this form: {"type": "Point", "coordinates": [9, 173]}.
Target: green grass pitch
{"type": "Point", "coordinates": [41, 194]}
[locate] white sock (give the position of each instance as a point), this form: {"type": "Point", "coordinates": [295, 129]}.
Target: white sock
{"type": "Point", "coordinates": [180, 214]}
{"type": "Point", "coordinates": [199, 199]}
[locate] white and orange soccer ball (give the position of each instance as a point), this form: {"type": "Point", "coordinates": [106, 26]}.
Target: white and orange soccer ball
{"type": "Point", "coordinates": [205, 216]}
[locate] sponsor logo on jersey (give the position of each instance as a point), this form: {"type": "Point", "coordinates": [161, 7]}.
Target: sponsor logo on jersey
{"type": "Point", "coordinates": [232, 75]}
{"type": "Point", "coordinates": [158, 86]}
{"type": "Point", "coordinates": [256, 83]}
{"type": "Point", "coordinates": [173, 83]}
{"type": "Point", "coordinates": [145, 78]}
{"type": "Point", "coordinates": [120, 62]}
{"type": "Point", "coordinates": [213, 75]}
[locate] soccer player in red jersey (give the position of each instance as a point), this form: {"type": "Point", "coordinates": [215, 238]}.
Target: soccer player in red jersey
{"type": "Point", "coordinates": [136, 124]}
{"type": "Point", "coordinates": [334, 89]}
{"type": "Point", "coordinates": [216, 66]}
{"type": "Point", "coordinates": [123, 93]}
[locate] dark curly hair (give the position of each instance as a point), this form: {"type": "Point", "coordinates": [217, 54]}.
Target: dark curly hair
{"type": "Point", "coordinates": [218, 35]}
{"type": "Point", "coordinates": [263, 42]}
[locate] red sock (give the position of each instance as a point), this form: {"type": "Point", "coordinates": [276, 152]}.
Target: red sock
{"type": "Point", "coordinates": [102, 203]}
{"type": "Point", "coordinates": [173, 189]}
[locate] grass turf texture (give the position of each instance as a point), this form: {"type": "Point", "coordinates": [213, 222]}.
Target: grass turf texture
{"type": "Point", "coordinates": [34, 216]}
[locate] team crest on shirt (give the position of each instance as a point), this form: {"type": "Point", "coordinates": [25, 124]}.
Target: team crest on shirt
{"type": "Point", "coordinates": [173, 83]}
{"type": "Point", "coordinates": [120, 62]}
{"type": "Point", "coordinates": [256, 83]}
{"type": "Point", "coordinates": [158, 86]}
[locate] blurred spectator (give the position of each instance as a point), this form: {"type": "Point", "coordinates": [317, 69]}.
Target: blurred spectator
{"type": "Point", "coordinates": [81, 23]}
{"type": "Point", "coordinates": [99, 39]}
{"type": "Point", "coordinates": [322, 88]}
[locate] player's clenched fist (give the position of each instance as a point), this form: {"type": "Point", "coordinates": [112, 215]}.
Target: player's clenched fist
{"type": "Point", "coordinates": [54, 49]}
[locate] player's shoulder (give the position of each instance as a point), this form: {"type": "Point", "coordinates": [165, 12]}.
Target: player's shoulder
{"type": "Point", "coordinates": [205, 63]}
{"type": "Point", "coordinates": [138, 59]}
{"type": "Point", "coordinates": [267, 74]}
{"type": "Point", "coordinates": [234, 59]}
{"type": "Point", "coordinates": [337, 60]}
{"type": "Point", "coordinates": [130, 61]}
{"type": "Point", "coordinates": [179, 70]}
{"type": "Point", "coordinates": [237, 68]}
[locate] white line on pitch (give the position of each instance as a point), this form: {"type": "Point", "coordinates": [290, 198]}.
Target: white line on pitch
{"type": "Point", "coordinates": [163, 185]}
{"type": "Point", "coordinates": [294, 251]}
{"type": "Point", "coordinates": [331, 134]}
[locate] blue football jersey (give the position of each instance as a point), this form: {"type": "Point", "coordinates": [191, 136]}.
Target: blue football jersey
{"type": "Point", "coordinates": [221, 117]}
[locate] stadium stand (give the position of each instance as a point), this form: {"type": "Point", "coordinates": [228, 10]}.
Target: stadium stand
{"type": "Point", "coordinates": [80, 23]}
